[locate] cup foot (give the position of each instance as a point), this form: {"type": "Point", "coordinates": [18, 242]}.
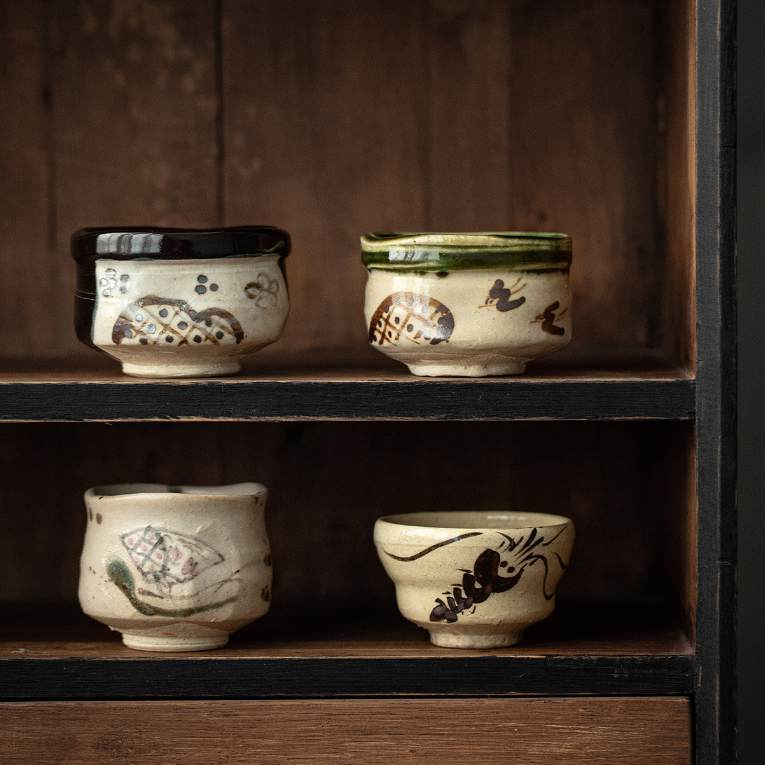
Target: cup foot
{"type": "Point", "coordinates": [192, 369]}
{"type": "Point", "coordinates": [473, 640]}
{"type": "Point", "coordinates": [452, 369]}
{"type": "Point", "coordinates": [173, 644]}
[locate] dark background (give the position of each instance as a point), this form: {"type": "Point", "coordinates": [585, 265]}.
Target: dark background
{"type": "Point", "coordinates": [751, 223]}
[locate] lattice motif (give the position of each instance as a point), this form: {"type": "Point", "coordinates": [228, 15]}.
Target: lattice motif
{"type": "Point", "coordinates": [152, 320]}
{"type": "Point", "coordinates": [412, 317]}
{"type": "Point", "coordinates": [167, 557]}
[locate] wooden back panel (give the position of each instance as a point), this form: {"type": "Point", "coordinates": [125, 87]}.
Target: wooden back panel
{"type": "Point", "coordinates": [336, 119]}
{"type": "Point", "coordinates": [328, 483]}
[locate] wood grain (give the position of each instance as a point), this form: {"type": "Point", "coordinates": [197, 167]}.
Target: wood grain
{"type": "Point", "coordinates": [583, 155]}
{"type": "Point", "coordinates": [366, 629]}
{"type": "Point", "coordinates": [335, 120]}
{"type": "Point", "coordinates": [677, 174]}
{"type": "Point", "coordinates": [682, 525]}
{"type": "Point", "coordinates": [716, 419]}
{"type": "Point", "coordinates": [599, 386]}
{"type": "Point", "coordinates": [469, 83]}
{"type": "Point", "coordinates": [29, 274]}
{"type": "Point", "coordinates": [324, 127]}
{"type": "Point", "coordinates": [135, 111]}
{"type": "Point", "coordinates": [608, 731]}
{"type": "Point", "coordinates": [328, 483]}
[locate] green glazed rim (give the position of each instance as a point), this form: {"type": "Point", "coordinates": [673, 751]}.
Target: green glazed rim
{"type": "Point", "coordinates": [523, 250]}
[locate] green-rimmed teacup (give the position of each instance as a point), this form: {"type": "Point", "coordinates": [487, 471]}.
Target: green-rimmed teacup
{"type": "Point", "coordinates": [467, 305]}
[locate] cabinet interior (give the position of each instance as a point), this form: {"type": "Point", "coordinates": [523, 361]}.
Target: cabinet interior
{"type": "Point", "coordinates": [630, 586]}
{"type": "Point", "coordinates": [339, 118]}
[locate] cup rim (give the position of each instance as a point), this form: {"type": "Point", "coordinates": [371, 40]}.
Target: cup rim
{"type": "Point", "coordinates": [537, 520]}
{"type": "Point", "coordinates": [526, 250]}
{"type": "Point", "coordinates": [157, 243]}
{"type": "Point", "coordinates": [154, 490]}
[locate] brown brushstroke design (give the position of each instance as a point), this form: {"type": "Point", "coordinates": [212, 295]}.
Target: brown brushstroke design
{"type": "Point", "coordinates": [434, 547]}
{"type": "Point", "coordinates": [548, 318]}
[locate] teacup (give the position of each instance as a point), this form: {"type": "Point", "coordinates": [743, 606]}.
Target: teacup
{"type": "Point", "coordinates": [467, 305]}
{"type": "Point", "coordinates": [175, 303]}
{"type": "Point", "coordinates": [175, 568]}
{"type": "Point", "coordinates": [475, 579]}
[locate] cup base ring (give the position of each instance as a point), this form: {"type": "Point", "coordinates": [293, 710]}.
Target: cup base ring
{"type": "Point", "coordinates": [473, 640]}
{"type": "Point", "coordinates": [173, 644]}
{"type": "Point", "coordinates": [192, 369]}
{"type": "Point", "coordinates": [452, 369]}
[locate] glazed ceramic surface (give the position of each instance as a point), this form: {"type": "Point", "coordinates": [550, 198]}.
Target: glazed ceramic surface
{"type": "Point", "coordinates": [175, 568]}
{"type": "Point", "coordinates": [473, 579]}
{"type": "Point", "coordinates": [467, 305]}
{"type": "Point", "coordinates": [163, 312]}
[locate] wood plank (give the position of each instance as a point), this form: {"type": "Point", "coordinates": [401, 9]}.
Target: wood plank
{"type": "Point", "coordinates": [468, 92]}
{"type": "Point", "coordinates": [677, 168]}
{"type": "Point", "coordinates": [324, 628]}
{"type": "Point", "coordinates": [324, 129]}
{"type": "Point", "coordinates": [716, 423]}
{"type": "Point", "coordinates": [135, 109]}
{"type": "Point", "coordinates": [318, 398]}
{"type": "Point", "coordinates": [29, 274]}
{"type": "Point", "coordinates": [678, 479]}
{"type": "Point", "coordinates": [328, 647]}
{"type": "Point", "coordinates": [296, 678]}
{"type": "Point", "coordinates": [608, 731]}
{"type": "Point", "coordinates": [570, 364]}
{"type": "Point", "coordinates": [583, 155]}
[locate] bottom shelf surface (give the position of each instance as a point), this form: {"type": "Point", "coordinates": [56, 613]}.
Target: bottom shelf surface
{"type": "Point", "coordinates": [306, 650]}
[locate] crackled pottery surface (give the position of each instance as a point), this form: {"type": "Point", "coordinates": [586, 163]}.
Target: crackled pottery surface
{"type": "Point", "coordinates": [474, 579]}
{"type": "Point", "coordinates": [468, 305]}
{"type": "Point", "coordinates": [181, 303]}
{"type": "Point", "coordinates": [175, 568]}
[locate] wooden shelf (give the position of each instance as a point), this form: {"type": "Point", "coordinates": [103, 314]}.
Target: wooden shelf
{"type": "Point", "coordinates": [331, 651]}
{"type": "Point", "coordinates": [295, 114]}
{"type": "Point", "coordinates": [605, 385]}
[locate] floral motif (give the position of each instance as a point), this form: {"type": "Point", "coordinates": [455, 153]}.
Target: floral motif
{"type": "Point", "coordinates": [263, 291]}
{"type": "Point", "coordinates": [108, 283]}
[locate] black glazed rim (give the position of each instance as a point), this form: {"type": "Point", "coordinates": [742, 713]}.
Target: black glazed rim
{"type": "Point", "coordinates": [526, 250]}
{"type": "Point", "coordinates": [151, 243]}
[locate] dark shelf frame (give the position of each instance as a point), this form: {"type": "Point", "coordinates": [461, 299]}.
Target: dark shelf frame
{"type": "Point", "coordinates": [414, 399]}
{"type": "Point", "coordinates": [152, 678]}
{"type": "Point", "coordinates": [715, 705]}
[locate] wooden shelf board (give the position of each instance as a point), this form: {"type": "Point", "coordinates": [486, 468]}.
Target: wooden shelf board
{"type": "Point", "coordinates": [613, 384]}
{"type": "Point", "coordinates": [624, 650]}
{"type": "Point", "coordinates": [357, 631]}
